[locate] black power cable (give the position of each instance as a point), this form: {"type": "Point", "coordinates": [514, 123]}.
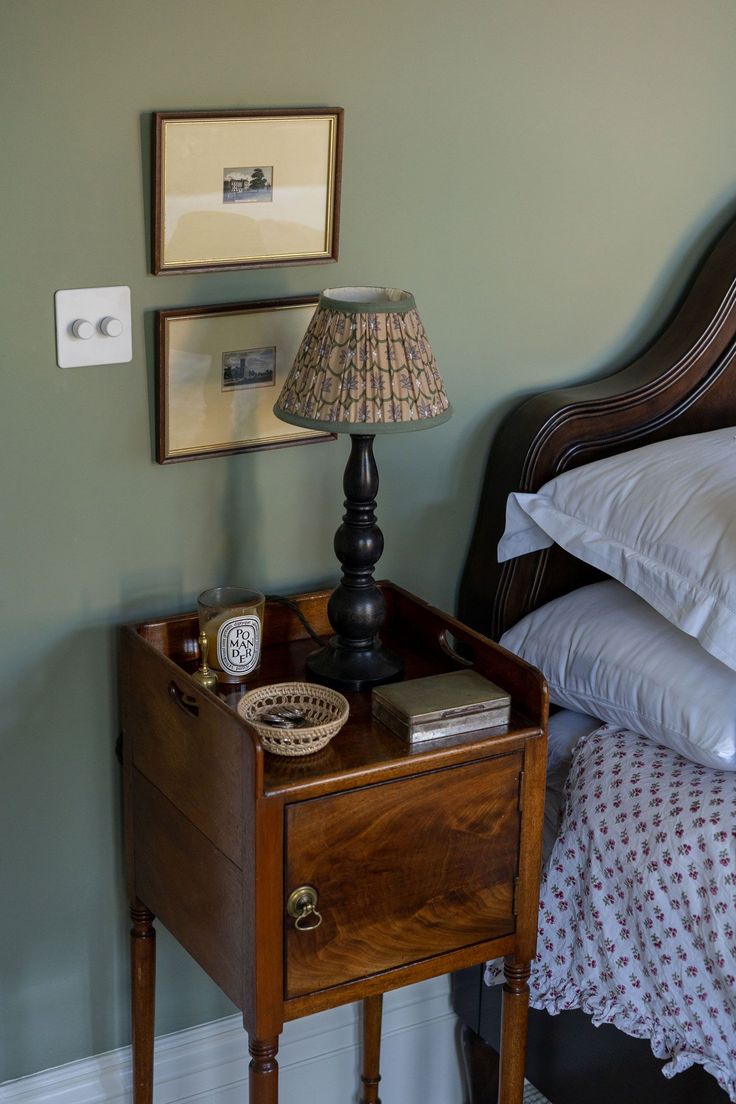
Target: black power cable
{"type": "Point", "coordinates": [297, 613]}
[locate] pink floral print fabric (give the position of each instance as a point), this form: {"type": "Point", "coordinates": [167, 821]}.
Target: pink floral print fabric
{"type": "Point", "coordinates": [638, 903]}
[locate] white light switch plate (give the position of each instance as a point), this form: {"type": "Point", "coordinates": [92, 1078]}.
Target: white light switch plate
{"type": "Point", "coordinates": [102, 308]}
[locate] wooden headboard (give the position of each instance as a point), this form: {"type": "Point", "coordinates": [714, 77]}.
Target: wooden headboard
{"type": "Point", "coordinates": [685, 382]}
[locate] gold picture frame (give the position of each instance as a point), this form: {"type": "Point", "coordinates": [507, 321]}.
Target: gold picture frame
{"type": "Point", "coordinates": [246, 189]}
{"type": "Point", "coordinates": [220, 369]}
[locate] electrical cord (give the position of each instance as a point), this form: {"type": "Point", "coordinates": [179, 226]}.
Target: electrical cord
{"type": "Point", "coordinates": [297, 613]}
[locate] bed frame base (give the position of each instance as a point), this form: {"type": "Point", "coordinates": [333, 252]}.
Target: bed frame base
{"type": "Point", "coordinates": [684, 382]}
{"type": "Point", "coordinates": [569, 1060]}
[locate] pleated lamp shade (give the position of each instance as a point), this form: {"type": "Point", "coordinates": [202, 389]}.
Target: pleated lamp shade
{"type": "Point", "coordinates": [365, 365]}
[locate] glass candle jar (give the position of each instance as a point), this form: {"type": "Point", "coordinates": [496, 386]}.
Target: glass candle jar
{"type": "Point", "coordinates": [232, 618]}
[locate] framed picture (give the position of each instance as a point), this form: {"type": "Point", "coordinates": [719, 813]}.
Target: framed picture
{"type": "Point", "coordinates": [220, 370]}
{"type": "Point", "coordinates": [242, 189]}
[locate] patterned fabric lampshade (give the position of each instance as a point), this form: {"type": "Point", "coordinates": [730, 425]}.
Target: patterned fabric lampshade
{"type": "Point", "coordinates": [365, 365]}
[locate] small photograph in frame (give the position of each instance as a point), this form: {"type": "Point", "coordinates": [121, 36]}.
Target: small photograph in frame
{"type": "Point", "coordinates": [219, 372]}
{"type": "Point", "coordinates": [246, 189]}
{"type": "Point", "coordinates": [251, 185]}
{"type": "Point", "coordinates": [248, 368]}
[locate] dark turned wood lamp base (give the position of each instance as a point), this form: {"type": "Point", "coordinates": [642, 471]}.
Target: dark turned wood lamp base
{"type": "Point", "coordinates": [344, 669]}
{"type": "Point", "coordinates": [355, 658]}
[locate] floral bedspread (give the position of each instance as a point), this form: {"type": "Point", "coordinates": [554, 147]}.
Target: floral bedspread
{"type": "Point", "coordinates": [638, 907]}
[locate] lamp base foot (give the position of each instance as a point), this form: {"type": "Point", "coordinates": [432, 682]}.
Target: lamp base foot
{"type": "Point", "coordinates": [347, 669]}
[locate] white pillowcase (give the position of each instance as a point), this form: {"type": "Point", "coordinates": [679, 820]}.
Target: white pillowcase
{"type": "Point", "coordinates": [661, 519]}
{"type": "Point", "coordinates": [606, 652]}
{"type": "Point", "coordinates": [564, 730]}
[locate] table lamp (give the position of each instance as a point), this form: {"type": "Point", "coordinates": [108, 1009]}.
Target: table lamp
{"type": "Point", "coordinates": [364, 367]}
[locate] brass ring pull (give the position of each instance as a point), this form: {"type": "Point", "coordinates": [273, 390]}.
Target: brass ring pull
{"type": "Point", "coordinates": [302, 907]}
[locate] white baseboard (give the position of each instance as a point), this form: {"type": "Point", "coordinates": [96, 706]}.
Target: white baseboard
{"type": "Point", "coordinates": [319, 1060]}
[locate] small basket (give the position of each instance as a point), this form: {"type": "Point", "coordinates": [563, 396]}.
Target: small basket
{"type": "Point", "coordinates": [326, 712]}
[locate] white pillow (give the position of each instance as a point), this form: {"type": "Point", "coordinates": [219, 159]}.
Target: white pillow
{"type": "Point", "coordinates": [564, 730]}
{"type": "Point", "coordinates": [661, 519]}
{"type": "Point", "coordinates": [606, 652]}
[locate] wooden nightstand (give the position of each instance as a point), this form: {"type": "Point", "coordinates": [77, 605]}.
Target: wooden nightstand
{"type": "Point", "coordinates": [425, 860]}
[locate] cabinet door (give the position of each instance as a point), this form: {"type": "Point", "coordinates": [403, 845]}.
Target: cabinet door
{"type": "Point", "coordinates": [404, 870]}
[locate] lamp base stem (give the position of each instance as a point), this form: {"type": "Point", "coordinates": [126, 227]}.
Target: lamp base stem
{"type": "Point", "coordinates": [355, 659]}
{"type": "Point", "coordinates": [352, 670]}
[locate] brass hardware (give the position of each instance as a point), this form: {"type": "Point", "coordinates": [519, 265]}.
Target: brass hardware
{"type": "Point", "coordinates": [204, 675]}
{"type": "Point", "coordinates": [302, 907]}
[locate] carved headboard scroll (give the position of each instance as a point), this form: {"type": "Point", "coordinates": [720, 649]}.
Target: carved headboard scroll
{"type": "Point", "coordinates": [685, 382]}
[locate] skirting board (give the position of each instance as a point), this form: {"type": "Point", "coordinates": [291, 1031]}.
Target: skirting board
{"type": "Point", "coordinates": [319, 1060]}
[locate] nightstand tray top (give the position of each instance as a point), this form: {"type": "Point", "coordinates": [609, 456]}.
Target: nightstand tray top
{"type": "Point", "coordinates": [426, 638]}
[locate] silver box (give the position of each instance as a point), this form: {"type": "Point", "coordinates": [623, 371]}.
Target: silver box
{"type": "Point", "coordinates": [441, 705]}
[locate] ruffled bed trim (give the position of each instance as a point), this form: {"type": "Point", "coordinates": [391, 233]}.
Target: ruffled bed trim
{"type": "Point", "coordinates": [675, 1049]}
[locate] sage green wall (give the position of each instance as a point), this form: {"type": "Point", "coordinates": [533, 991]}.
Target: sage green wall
{"type": "Point", "coordinates": [539, 173]}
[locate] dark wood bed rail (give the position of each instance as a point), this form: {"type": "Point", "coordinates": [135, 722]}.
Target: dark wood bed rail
{"type": "Point", "coordinates": [682, 383]}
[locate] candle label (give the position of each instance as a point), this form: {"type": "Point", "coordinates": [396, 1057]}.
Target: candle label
{"type": "Point", "coordinates": [239, 644]}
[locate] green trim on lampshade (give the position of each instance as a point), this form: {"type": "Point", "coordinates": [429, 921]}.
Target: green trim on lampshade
{"type": "Point", "coordinates": [361, 427]}
{"type": "Point", "coordinates": [364, 366]}
{"type": "Point", "coordinates": [367, 300]}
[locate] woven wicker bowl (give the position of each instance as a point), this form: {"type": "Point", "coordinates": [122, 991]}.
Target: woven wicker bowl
{"type": "Point", "coordinates": [326, 711]}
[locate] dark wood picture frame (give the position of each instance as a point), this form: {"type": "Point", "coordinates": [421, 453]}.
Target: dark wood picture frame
{"type": "Point", "coordinates": [224, 365]}
{"type": "Point", "coordinates": [212, 232]}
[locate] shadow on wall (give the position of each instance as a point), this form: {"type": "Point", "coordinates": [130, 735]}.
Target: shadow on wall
{"type": "Point", "coordinates": [62, 806]}
{"type": "Point", "coordinates": [65, 918]}
{"type": "Point", "coordinates": [242, 523]}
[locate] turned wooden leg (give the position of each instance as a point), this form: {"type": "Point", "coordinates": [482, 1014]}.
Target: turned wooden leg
{"type": "Point", "coordinates": [143, 994]}
{"type": "Point", "coordinates": [481, 1068]}
{"type": "Point", "coordinates": [264, 1071]}
{"type": "Point", "coordinates": [514, 1019]}
{"type": "Point", "coordinates": [372, 1011]}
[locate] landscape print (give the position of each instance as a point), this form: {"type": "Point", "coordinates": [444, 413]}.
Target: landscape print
{"type": "Point", "coordinates": [248, 185]}
{"type": "Point", "coordinates": [249, 368]}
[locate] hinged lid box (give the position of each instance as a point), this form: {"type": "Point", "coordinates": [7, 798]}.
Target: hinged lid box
{"type": "Point", "coordinates": [441, 705]}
